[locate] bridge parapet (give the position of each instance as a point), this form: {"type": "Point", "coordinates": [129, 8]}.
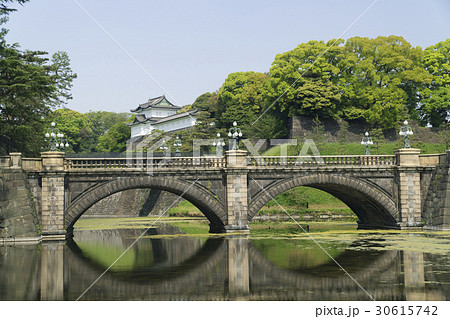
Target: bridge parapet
{"type": "Point", "coordinates": [144, 163]}
{"type": "Point", "coordinates": [5, 161]}
{"type": "Point", "coordinates": [432, 159]}
{"type": "Point", "coordinates": [339, 160]}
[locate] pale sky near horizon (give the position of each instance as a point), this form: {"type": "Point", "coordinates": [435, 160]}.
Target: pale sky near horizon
{"type": "Point", "coordinates": [190, 47]}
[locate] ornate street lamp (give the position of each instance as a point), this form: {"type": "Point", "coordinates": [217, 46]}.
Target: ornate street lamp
{"type": "Point", "coordinates": [163, 147]}
{"type": "Point", "coordinates": [219, 143]}
{"type": "Point", "coordinates": [405, 131]}
{"type": "Point", "coordinates": [177, 144]}
{"type": "Point", "coordinates": [55, 138]}
{"type": "Point", "coordinates": [235, 133]}
{"type": "Point", "coordinates": [366, 140]}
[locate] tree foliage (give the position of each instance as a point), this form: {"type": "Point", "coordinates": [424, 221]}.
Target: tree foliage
{"type": "Point", "coordinates": [206, 105]}
{"type": "Point", "coordinates": [30, 86]}
{"type": "Point", "coordinates": [115, 140]}
{"type": "Point", "coordinates": [380, 79]}
{"type": "Point", "coordinates": [436, 103]}
{"type": "Point", "coordinates": [84, 131]}
{"type": "Point", "coordinates": [5, 10]}
{"type": "Point", "coordinates": [303, 80]}
{"type": "Point", "coordinates": [241, 99]}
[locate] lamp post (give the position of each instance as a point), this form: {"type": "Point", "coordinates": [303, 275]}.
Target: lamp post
{"type": "Point", "coordinates": [57, 140]}
{"type": "Point", "coordinates": [366, 140]}
{"type": "Point", "coordinates": [177, 144]}
{"type": "Point", "coordinates": [219, 143]}
{"type": "Point", "coordinates": [405, 131]}
{"type": "Point", "coordinates": [163, 147]}
{"type": "Point", "coordinates": [235, 133]}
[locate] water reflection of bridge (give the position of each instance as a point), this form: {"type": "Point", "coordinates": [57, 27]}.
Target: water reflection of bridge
{"type": "Point", "coordinates": [221, 268]}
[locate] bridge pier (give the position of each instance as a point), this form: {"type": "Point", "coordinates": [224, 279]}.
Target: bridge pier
{"type": "Point", "coordinates": [236, 190]}
{"type": "Point", "coordinates": [410, 211]}
{"type": "Point", "coordinates": [52, 271]}
{"type": "Point", "coordinates": [53, 189]}
{"type": "Point", "coordinates": [238, 266]}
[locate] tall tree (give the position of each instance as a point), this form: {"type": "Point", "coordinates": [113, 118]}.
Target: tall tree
{"type": "Point", "coordinates": [204, 127]}
{"type": "Point", "coordinates": [115, 140]}
{"type": "Point", "coordinates": [435, 106]}
{"type": "Point", "coordinates": [76, 128]}
{"type": "Point", "coordinates": [29, 87]}
{"type": "Point", "coordinates": [380, 79]}
{"type": "Point", "coordinates": [4, 9]}
{"type": "Point", "coordinates": [303, 80]}
{"type": "Point", "coordinates": [102, 121]}
{"type": "Point", "coordinates": [240, 99]}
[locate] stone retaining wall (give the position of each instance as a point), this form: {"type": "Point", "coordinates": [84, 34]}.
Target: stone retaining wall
{"type": "Point", "coordinates": [437, 203]}
{"type": "Point", "coordinates": [134, 202]}
{"type": "Point", "coordinates": [18, 216]}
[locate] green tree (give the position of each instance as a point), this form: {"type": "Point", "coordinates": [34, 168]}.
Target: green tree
{"type": "Point", "coordinates": [102, 121]}
{"type": "Point", "coordinates": [204, 127]}
{"type": "Point", "coordinates": [436, 96]}
{"type": "Point", "coordinates": [303, 81]}
{"type": "Point", "coordinates": [29, 87]}
{"type": "Point", "coordinates": [240, 99]}
{"type": "Point", "coordinates": [115, 140]}
{"type": "Point", "coordinates": [76, 128]}
{"type": "Point", "coordinates": [5, 10]}
{"type": "Point", "coordinates": [380, 79]}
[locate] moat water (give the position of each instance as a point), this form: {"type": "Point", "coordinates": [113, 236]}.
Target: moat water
{"type": "Point", "coordinates": [179, 260]}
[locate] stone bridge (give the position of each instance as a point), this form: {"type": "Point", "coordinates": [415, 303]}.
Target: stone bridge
{"type": "Point", "coordinates": [405, 190]}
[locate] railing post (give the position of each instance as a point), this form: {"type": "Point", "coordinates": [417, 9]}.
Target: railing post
{"type": "Point", "coordinates": [53, 177]}
{"type": "Point", "coordinates": [409, 187]}
{"type": "Point", "coordinates": [16, 160]}
{"type": "Point", "coordinates": [237, 204]}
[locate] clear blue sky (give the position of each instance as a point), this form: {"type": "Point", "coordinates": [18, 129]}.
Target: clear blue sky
{"type": "Point", "coordinates": [190, 47]}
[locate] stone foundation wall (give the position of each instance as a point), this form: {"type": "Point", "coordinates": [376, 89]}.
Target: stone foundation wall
{"type": "Point", "coordinates": [301, 127]}
{"type": "Point", "coordinates": [18, 217]}
{"type": "Point", "coordinates": [436, 209]}
{"type": "Point", "coordinates": [134, 202]}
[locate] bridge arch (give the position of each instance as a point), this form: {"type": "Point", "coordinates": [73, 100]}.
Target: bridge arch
{"type": "Point", "coordinates": [373, 206]}
{"type": "Point", "coordinates": [195, 193]}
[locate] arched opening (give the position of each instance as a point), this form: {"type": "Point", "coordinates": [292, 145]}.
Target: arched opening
{"type": "Point", "coordinates": [193, 192]}
{"type": "Point", "coordinates": [151, 260]}
{"type": "Point", "coordinates": [371, 204]}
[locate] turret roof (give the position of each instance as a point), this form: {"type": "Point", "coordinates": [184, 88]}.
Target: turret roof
{"type": "Point", "coordinates": [155, 103]}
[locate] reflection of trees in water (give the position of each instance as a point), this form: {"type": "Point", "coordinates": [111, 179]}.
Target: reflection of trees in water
{"type": "Point", "coordinates": [327, 281]}
{"type": "Point", "coordinates": [297, 253]}
{"type": "Point", "coordinates": [377, 271]}
{"type": "Point", "coordinates": [200, 274]}
{"type": "Point", "coordinates": [217, 268]}
{"type": "Point", "coordinates": [170, 257]}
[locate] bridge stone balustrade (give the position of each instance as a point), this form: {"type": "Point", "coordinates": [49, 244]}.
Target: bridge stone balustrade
{"type": "Point", "coordinates": [385, 191]}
